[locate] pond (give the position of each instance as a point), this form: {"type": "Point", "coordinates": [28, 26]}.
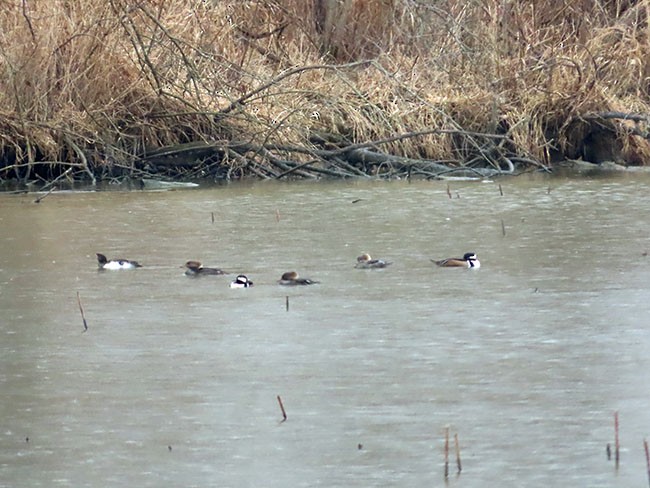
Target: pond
{"type": "Point", "coordinates": [176, 381]}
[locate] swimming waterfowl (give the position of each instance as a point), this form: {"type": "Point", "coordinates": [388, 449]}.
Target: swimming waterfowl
{"type": "Point", "coordinates": [116, 263]}
{"type": "Point", "coordinates": [291, 278]}
{"type": "Point", "coordinates": [241, 282]}
{"type": "Point", "coordinates": [195, 268]}
{"type": "Point", "coordinates": [469, 260]}
{"type": "Point", "coordinates": [366, 262]}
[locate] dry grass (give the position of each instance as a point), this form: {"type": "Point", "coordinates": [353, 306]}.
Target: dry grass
{"type": "Point", "coordinates": [93, 85]}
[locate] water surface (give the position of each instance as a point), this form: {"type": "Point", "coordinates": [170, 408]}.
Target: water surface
{"type": "Point", "coordinates": [175, 382]}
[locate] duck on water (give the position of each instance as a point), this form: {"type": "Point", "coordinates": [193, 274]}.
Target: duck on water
{"type": "Point", "coordinates": [469, 260]}
{"type": "Point", "coordinates": [116, 263]}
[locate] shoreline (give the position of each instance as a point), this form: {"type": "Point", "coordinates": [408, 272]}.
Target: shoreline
{"type": "Point", "coordinates": [572, 169]}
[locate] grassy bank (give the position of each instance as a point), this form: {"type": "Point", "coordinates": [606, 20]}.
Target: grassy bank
{"type": "Point", "coordinates": [189, 89]}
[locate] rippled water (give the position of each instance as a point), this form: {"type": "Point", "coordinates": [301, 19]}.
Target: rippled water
{"type": "Point", "coordinates": [175, 382]}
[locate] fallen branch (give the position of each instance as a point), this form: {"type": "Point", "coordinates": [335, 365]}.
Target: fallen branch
{"type": "Point", "coordinates": [302, 165]}
{"type": "Point", "coordinates": [38, 200]}
{"type": "Point", "coordinates": [337, 163]}
{"type": "Point", "coordinates": [82, 157]}
{"type": "Point", "coordinates": [617, 115]}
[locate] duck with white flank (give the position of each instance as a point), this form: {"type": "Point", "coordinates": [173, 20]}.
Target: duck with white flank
{"type": "Point", "coordinates": [195, 268]}
{"type": "Point", "coordinates": [291, 278]}
{"type": "Point", "coordinates": [116, 263]}
{"type": "Point", "coordinates": [469, 260]}
{"type": "Point", "coordinates": [366, 262]}
{"type": "Point", "coordinates": [241, 281]}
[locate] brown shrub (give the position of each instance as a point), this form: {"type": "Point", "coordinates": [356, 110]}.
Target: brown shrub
{"type": "Point", "coordinates": [97, 83]}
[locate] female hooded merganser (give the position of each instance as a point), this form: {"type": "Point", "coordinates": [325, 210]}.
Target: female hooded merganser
{"type": "Point", "coordinates": [469, 260]}
{"type": "Point", "coordinates": [116, 263]}
{"type": "Point", "coordinates": [366, 262]}
{"type": "Point", "coordinates": [241, 281]}
{"type": "Point", "coordinates": [291, 278]}
{"type": "Point", "coordinates": [195, 268]}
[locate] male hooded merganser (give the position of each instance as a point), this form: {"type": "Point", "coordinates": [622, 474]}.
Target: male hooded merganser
{"type": "Point", "coordinates": [291, 278]}
{"type": "Point", "coordinates": [241, 281]}
{"type": "Point", "coordinates": [366, 262]}
{"type": "Point", "coordinates": [116, 263]}
{"type": "Point", "coordinates": [195, 268]}
{"type": "Point", "coordinates": [469, 260]}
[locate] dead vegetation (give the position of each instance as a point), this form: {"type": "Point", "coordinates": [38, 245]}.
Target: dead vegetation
{"type": "Point", "coordinates": [286, 88]}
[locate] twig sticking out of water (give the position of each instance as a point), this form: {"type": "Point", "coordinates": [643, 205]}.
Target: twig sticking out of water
{"type": "Point", "coordinates": [81, 309]}
{"type": "Point", "coordinates": [212, 217]}
{"type": "Point", "coordinates": [548, 190]}
{"type": "Point", "coordinates": [616, 441]}
{"type": "Point", "coordinates": [277, 215]}
{"type": "Point", "coordinates": [647, 458]}
{"type": "Point", "coordinates": [457, 445]}
{"type": "Point", "coordinates": [284, 413]}
{"type": "Point", "coordinates": [286, 302]}
{"type": "Point", "coordinates": [503, 228]}
{"type": "Point", "coordinates": [51, 183]}
{"type": "Point", "coordinates": [608, 450]}
{"type": "Point", "coordinates": [500, 189]}
{"type": "Point", "coordinates": [38, 200]}
{"type": "Point", "coordinates": [446, 453]}
{"type": "Point", "coordinates": [448, 191]}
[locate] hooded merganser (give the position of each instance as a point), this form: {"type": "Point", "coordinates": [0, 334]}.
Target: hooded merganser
{"type": "Point", "coordinates": [469, 260]}
{"type": "Point", "coordinates": [366, 262]}
{"type": "Point", "coordinates": [195, 268]}
{"type": "Point", "coordinates": [116, 263]}
{"type": "Point", "coordinates": [291, 278]}
{"type": "Point", "coordinates": [241, 281]}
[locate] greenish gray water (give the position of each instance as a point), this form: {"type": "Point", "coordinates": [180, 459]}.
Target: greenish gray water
{"type": "Point", "coordinates": [527, 359]}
